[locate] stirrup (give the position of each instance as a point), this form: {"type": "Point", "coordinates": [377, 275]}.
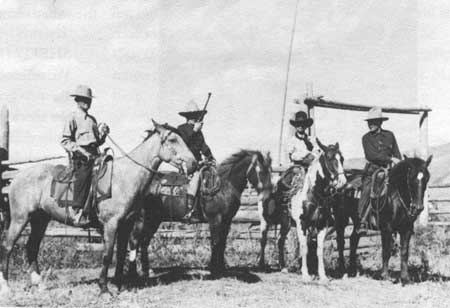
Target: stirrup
{"type": "Point", "coordinates": [362, 228]}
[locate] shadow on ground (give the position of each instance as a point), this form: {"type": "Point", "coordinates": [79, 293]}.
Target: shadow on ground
{"type": "Point", "coordinates": [169, 275]}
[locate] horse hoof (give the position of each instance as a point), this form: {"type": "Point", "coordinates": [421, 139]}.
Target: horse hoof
{"type": "Point", "coordinates": [345, 277]}
{"type": "Point", "coordinates": [385, 276]}
{"type": "Point", "coordinates": [284, 270]}
{"type": "Point", "coordinates": [36, 279]}
{"type": "Point", "coordinates": [306, 278]}
{"type": "Point", "coordinates": [105, 293]}
{"type": "Point", "coordinates": [405, 281]}
{"type": "Point", "coordinates": [324, 279]}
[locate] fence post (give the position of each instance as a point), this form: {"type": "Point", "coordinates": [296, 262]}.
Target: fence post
{"type": "Point", "coordinates": [423, 135]}
{"type": "Point", "coordinates": [4, 155]}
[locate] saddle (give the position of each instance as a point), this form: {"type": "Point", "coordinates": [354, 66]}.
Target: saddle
{"type": "Point", "coordinates": [169, 184]}
{"type": "Point", "coordinates": [64, 179]}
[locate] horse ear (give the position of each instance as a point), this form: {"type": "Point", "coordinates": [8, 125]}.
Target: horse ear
{"type": "Point", "coordinates": [158, 127]}
{"type": "Point", "coordinates": [268, 159]}
{"type": "Point", "coordinates": [429, 160]}
{"type": "Point", "coordinates": [337, 145]}
{"type": "Point", "coordinates": [323, 147]}
{"type": "Point", "coordinates": [404, 156]}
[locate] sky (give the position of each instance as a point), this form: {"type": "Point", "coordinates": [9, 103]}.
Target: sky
{"type": "Point", "coordinates": [147, 59]}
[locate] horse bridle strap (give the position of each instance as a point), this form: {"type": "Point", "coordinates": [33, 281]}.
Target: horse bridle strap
{"type": "Point", "coordinates": [149, 169]}
{"type": "Point", "coordinates": [254, 165]}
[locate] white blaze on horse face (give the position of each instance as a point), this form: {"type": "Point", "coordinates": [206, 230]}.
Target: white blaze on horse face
{"type": "Point", "coordinates": [132, 256]}
{"type": "Point", "coordinates": [420, 176]}
{"type": "Point", "coordinates": [342, 180]}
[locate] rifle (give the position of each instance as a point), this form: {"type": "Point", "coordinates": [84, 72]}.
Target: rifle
{"type": "Point", "coordinates": [200, 119]}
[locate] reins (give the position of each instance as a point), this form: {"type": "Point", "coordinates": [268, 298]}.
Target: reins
{"type": "Point", "coordinates": [149, 169]}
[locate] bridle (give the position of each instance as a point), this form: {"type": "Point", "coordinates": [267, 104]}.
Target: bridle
{"type": "Point", "coordinates": [412, 211]}
{"type": "Point", "coordinates": [149, 169]}
{"type": "Point", "coordinates": [255, 165]}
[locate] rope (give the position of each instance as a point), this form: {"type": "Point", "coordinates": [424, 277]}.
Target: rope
{"type": "Point", "coordinates": [129, 157]}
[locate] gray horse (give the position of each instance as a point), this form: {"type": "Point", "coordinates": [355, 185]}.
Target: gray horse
{"type": "Point", "coordinates": [30, 200]}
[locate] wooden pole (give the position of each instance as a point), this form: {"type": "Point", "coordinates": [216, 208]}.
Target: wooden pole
{"type": "Point", "coordinates": [286, 83]}
{"type": "Point", "coordinates": [423, 132]}
{"type": "Point", "coordinates": [4, 133]}
{"type": "Point", "coordinates": [312, 129]}
{"type": "Point", "coordinates": [4, 155]}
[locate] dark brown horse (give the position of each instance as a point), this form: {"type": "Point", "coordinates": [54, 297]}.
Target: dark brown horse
{"type": "Point", "coordinates": [30, 201]}
{"type": "Point", "coordinates": [218, 209]}
{"type": "Point", "coordinates": [310, 209]}
{"type": "Point", "coordinates": [396, 212]}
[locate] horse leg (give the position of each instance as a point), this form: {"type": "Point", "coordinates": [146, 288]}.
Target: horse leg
{"type": "Point", "coordinates": [144, 248]}
{"type": "Point", "coordinates": [122, 237]}
{"type": "Point", "coordinates": [109, 237]}
{"type": "Point", "coordinates": [224, 230]}
{"type": "Point", "coordinates": [386, 239]}
{"type": "Point", "coordinates": [9, 240]}
{"type": "Point", "coordinates": [39, 222]}
{"type": "Point", "coordinates": [320, 254]}
{"type": "Point", "coordinates": [215, 225]}
{"type": "Point", "coordinates": [303, 241]}
{"type": "Point", "coordinates": [264, 227]}
{"type": "Point", "coordinates": [354, 241]}
{"type": "Point", "coordinates": [404, 239]}
{"type": "Point", "coordinates": [340, 240]}
{"type": "Point", "coordinates": [284, 230]}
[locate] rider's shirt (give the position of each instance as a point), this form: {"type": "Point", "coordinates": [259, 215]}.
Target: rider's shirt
{"type": "Point", "coordinates": [380, 147]}
{"type": "Point", "coordinates": [80, 130]}
{"type": "Point", "coordinates": [195, 141]}
{"type": "Point", "coordinates": [299, 146]}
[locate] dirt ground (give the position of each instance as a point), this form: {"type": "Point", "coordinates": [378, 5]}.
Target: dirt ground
{"type": "Point", "coordinates": [178, 287]}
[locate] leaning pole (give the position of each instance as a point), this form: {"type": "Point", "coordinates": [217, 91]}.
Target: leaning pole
{"type": "Point", "coordinates": [286, 83]}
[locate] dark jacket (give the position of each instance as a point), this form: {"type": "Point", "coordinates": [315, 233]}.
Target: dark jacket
{"type": "Point", "coordinates": [380, 147]}
{"type": "Point", "coordinates": [195, 142]}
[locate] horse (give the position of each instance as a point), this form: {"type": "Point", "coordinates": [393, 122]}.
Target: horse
{"type": "Point", "coordinates": [310, 208]}
{"type": "Point", "coordinates": [218, 209]}
{"type": "Point", "coordinates": [30, 201]}
{"type": "Point", "coordinates": [396, 212]}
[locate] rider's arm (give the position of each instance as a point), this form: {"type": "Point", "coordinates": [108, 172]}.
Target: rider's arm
{"type": "Point", "coordinates": [206, 151]}
{"type": "Point", "coordinates": [68, 137]}
{"type": "Point", "coordinates": [395, 150]}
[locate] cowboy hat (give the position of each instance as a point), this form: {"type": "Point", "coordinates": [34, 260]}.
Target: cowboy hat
{"type": "Point", "coordinates": [375, 113]}
{"type": "Point", "coordinates": [191, 111]}
{"type": "Point", "coordinates": [301, 119]}
{"type": "Point", "coordinates": [83, 91]}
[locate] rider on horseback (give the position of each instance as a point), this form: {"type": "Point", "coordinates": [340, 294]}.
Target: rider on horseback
{"type": "Point", "coordinates": [381, 151]}
{"type": "Point", "coordinates": [194, 139]}
{"type": "Point", "coordinates": [81, 138]}
{"type": "Point", "coordinates": [300, 148]}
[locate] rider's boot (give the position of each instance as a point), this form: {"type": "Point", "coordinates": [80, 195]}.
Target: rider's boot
{"type": "Point", "coordinates": [192, 215]}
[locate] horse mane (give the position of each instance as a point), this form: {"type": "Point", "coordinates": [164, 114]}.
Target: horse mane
{"type": "Point", "coordinates": [227, 165]}
{"type": "Point", "coordinates": [166, 126]}
{"type": "Point", "coordinates": [400, 170]}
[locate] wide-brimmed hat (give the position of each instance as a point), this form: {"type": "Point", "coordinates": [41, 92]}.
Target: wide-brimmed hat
{"type": "Point", "coordinates": [376, 113]}
{"type": "Point", "coordinates": [301, 119]}
{"type": "Point", "coordinates": [191, 111]}
{"type": "Point", "coordinates": [83, 91]}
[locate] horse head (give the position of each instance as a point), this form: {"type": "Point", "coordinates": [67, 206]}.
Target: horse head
{"type": "Point", "coordinates": [173, 149]}
{"type": "Point", "coordinates": [259, 174]}
{"type": "Point", "coordinates": [415, 183]}
{"type": "Point", "coordinates": [331, 161]}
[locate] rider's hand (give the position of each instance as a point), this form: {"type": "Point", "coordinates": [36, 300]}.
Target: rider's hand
{"type": "Point", "coordinates": [395, 160]}
{"type": "Point", "coordinates": [103, 129]}
{"type": "Point", "coordinates": [198, 126]}
{"type": "Point", "coordinates": [86, 154]}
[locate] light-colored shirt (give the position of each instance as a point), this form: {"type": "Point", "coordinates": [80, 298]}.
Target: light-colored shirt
{"type": "Point", "coordinates": [297, 149]}
{"type": "Point", "coordinates": [80, 130]}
